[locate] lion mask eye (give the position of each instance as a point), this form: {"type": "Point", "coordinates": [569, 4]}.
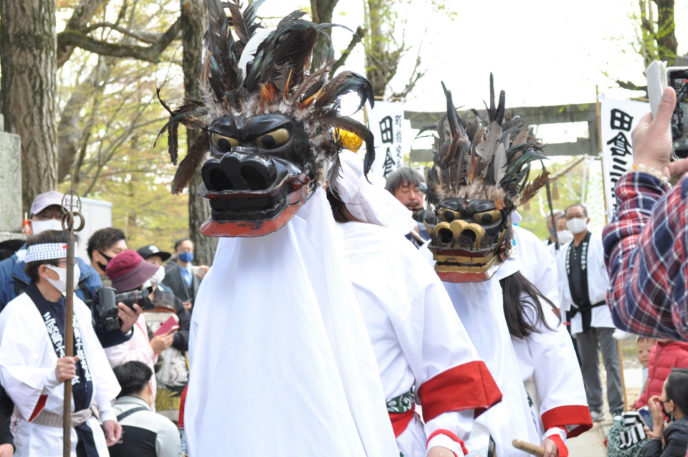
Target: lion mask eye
{"type": "Point", "coordinates": [224, 143]}
{"type": "Point", "coordinates": [274, 139]}
{"type": "Point", "coordinates": [488, 217]}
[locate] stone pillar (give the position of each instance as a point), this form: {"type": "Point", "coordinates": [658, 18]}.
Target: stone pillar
{"type": "Point", "coordinates": [11, 216]}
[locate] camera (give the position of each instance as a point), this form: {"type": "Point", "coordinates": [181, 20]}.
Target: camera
{"type": "Point", "coordinates": [104, 305]}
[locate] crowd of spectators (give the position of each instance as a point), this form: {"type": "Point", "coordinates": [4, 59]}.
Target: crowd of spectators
{"type": "Point", "coordinates": [154, 292]}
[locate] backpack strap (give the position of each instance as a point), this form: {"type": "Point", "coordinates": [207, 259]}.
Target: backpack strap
{"type": "Point", "coordinates": [130, 412]}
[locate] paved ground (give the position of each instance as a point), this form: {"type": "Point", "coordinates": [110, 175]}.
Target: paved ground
{"type": "Point", "coordinates": [591, 443]}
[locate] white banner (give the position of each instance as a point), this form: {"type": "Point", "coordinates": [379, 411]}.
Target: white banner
{"type": "Point", "coordinates": [385, 121]}
{"type": "Point", "coordinates": [618, 119]}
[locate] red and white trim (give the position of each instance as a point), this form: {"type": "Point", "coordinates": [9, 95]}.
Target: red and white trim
{"type": "Point", "coordinates": [437, 437]}
{"type": "Point", "coordinates": [575, 419]}
{"type": "Point", "coordinates": [467, 386]}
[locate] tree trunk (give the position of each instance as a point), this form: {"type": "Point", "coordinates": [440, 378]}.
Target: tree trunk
{"type": "Point", "coordinates": [321, 12]}
{"type": "Point", "coordinates": [666, 31]}
{"type": "Point", "coordinates": [29, 89]}
{"type": "Point", "coordinates": [193, 15]}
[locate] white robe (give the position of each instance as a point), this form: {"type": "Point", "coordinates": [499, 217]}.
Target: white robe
{"type": "Point", "coordinates": [598, 282]}
{"type": "Point", "coordinates": [281, 363]}
{"type": "Point", "coordinates": [415, 332]}
{"type": "Point", "coordinates": [27, 371]}
{"type": "Point", "coordinates": [480, 308]}
{"type": "Point", "coordinates": [547, 356]}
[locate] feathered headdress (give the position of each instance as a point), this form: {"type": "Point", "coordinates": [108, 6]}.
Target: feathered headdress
{"type": "Point", "coordinates": [276, 80]}
{"type": "Point", "coordinates": [489, 160]}
{"type": "Point", "coordinates": [479, 174]}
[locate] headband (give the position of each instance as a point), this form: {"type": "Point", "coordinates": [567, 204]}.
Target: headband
{"type": "Point", "coordinates": [46, 251]}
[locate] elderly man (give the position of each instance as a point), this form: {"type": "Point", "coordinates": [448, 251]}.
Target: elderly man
{"type": "Point", "coordinates": [583, 286]}
{"type": "Point", "coordinates": [408, 186]}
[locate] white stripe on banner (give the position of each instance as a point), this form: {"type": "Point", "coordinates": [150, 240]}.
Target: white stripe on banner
{"type": "Point", "coordinates": [618, 119]}
{"type": "Point", "coordinates": [385, 121]}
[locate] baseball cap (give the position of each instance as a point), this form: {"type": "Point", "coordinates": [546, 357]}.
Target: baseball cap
{"type": "Point", "coordinates": [42, 201]}
{"type": "Point", "coordinates": [128, 271]}
{"type": "Point", "coordinates": [150, 250]}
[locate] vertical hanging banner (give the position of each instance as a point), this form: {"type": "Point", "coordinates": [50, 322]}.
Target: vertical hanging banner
{"type": "Point", "coordinates": [385, 121]}
{"type": "Point", "coordinates": [617, 120]}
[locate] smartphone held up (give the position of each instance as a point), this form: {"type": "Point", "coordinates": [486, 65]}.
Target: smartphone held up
{"type": "Point", "coordinates": [659, 77]}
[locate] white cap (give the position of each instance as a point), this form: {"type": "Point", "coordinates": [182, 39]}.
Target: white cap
{"type": "Point", "coordinates": [42, 201]}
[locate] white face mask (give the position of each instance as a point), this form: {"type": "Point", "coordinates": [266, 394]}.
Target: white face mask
{"type": "Point", "coordinates": [158, 276]}
{"type": "Point", "coordinates": [564, 236]}
{"type": "Point", "coordinates": [576, 225]}
{"type": "Point", "coordinates": [42, 226]}
{"type": "Point", "coordinates": [61, 282]}
{"type": "Point", "coordinates": [156, 279]}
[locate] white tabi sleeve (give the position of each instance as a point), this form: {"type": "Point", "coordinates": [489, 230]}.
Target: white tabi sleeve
{"type": "Point", "coordinates": [105, 385]}
{"type": "Point", "coordinates": [27, 358]}
{"type": "Point", "coordinates": [451, 381]}
{"type": "Point", "coordinates": [557, 378]}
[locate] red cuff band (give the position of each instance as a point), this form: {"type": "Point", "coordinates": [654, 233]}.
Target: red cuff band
{"type": "Point", "coordinates": [561, 447]}
{"type": "Point", "coordinates": [575, 419]}
{"type": "Point", "coordinates": [468, 386]}
{"type": "Point", "coordinates": [442, 431]}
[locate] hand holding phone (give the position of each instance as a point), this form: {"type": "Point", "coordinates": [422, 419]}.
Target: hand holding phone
{"type": "Point", "coordinates": [169, 326]}
{"type": "Point", "coordinates": [646, 416]}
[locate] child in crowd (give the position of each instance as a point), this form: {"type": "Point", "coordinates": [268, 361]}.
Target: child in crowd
{"type": "Point", "coordinates": [644, 344]}
{"type": "Point", "coordinates": [664, 356]}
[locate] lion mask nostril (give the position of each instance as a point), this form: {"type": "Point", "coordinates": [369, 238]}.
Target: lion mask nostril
{"type": "Point", "coordinates": [445, 236]}
{"type": "Point", "coordinates": [255, 177]}
{"type": "Point", "coordinates": [217, 180]}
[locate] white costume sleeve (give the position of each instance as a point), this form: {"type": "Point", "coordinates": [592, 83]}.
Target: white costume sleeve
{"type": "Point", "coordinates": [439, 350]}
{"type": "Point", "coordinates": [27, 359]}
{"type": "Point", "coordinates": [558, 378]}
{"type": "Point", "coordinates": [105, 385]}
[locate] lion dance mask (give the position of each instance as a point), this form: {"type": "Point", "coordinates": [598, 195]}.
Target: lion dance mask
{"type": "Point", "coordinates": [478, 179]}
{"type": "Point", "coordinates": [269, 127]}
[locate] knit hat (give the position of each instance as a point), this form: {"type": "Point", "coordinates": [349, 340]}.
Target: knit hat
{"type": "Point", "coordinates": [128, 271]}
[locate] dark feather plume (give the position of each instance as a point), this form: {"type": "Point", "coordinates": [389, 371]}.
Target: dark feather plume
{"type": "Point", "coordinates": [193, 159]}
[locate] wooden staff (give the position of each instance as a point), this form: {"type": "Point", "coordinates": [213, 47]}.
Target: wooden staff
{"type": "Point", "coordinates": [72, 207]}
{"type": "Point", "coordinates": [530, 448]}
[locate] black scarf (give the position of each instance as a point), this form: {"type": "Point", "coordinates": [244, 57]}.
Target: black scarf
{"type": "Point", "coordinates": [82, 386]}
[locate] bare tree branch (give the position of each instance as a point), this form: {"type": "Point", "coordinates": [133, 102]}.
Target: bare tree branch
{"type": "Point", "coordinates": [140, 35]}
{"type": "Point", "coordinates": [82, 14]}
{"type": "Point", "coordinates": [147, 53]}
{"type": "Point", "coordinates": [355, 39]}
{"type": "Point", "coordinates": [630, 85]}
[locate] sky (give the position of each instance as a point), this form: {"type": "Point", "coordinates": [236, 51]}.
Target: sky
{"type": "Point", "coordinates": [542, 52]}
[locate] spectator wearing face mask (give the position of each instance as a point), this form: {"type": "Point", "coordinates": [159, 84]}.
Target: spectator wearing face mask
{"type": "Point", "coordinates": [103, 245]}
{"type": "Point", "coordinates": [669, 440]}
{"type": "Point", "coordinates": [46, 214]}
{"type": "Point", "coordinates": [128, 271]}
{"type": "Point", "coordinates": [583, 284]}
{"type": "Point", "coordinates": [181, 276]}
{"type": "Point", "coordinates": [33, 364]}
